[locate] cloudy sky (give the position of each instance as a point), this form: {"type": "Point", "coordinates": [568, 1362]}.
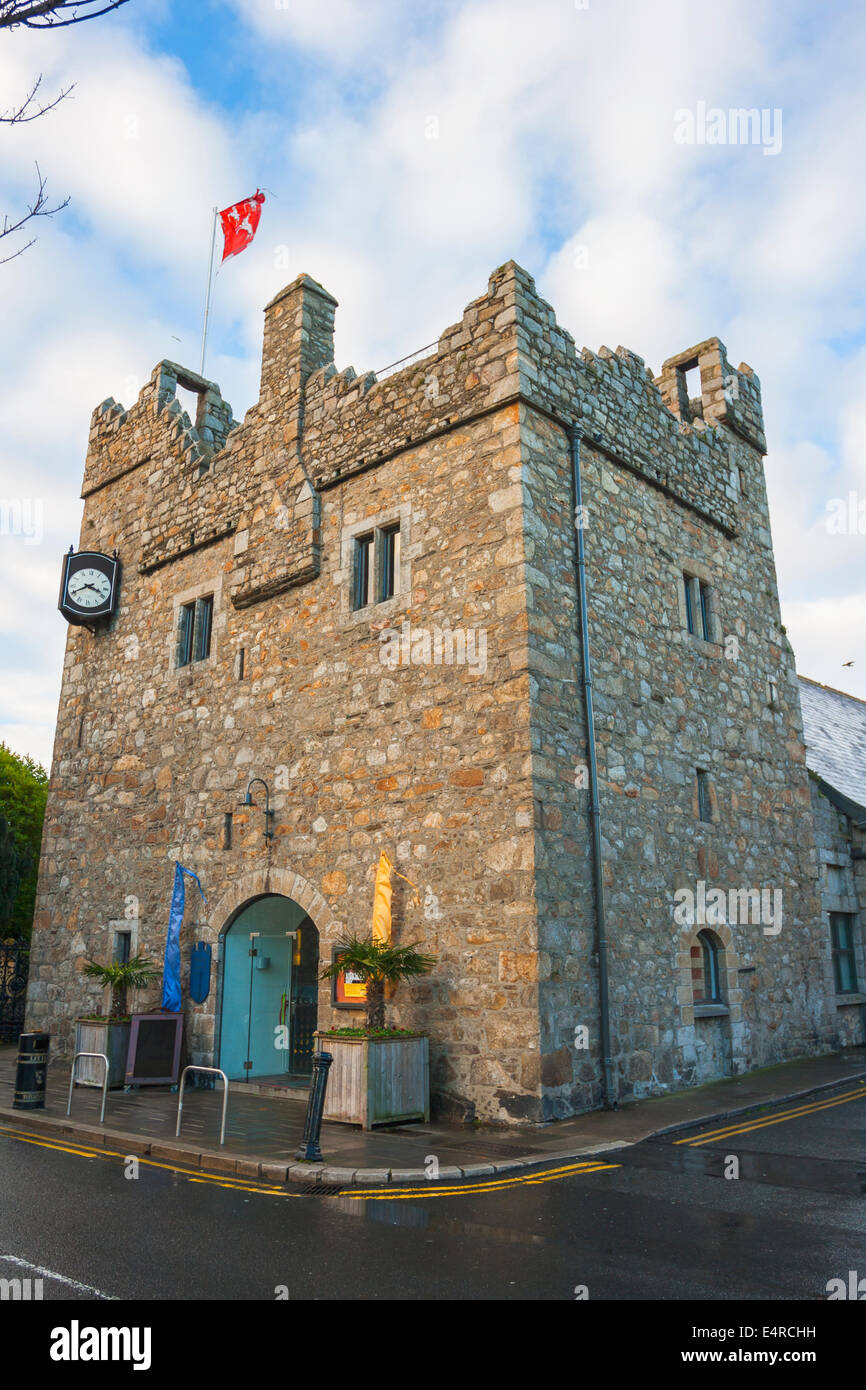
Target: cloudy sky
{"type": "Point", "coordinates": [409, 149]}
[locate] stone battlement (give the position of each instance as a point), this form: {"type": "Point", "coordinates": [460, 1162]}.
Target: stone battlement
{"type": "Point", "coordinates": [120, 437]}
{"type": "Point", "coordinates": [506, 348]}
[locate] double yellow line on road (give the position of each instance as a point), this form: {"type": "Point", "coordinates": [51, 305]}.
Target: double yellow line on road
{"type": "Point", "coordinates": [469, 1188]}
{"type": "Point", "coordinates": [194, 1174]}
{"type": "Point", "coordinates": [384, 1193]}
{"type": "Point", "coordinates": [746, 1126]}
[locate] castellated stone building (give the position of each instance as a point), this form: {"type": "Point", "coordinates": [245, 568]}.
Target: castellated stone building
{"type": "Point", "coordinates": [367, 594]}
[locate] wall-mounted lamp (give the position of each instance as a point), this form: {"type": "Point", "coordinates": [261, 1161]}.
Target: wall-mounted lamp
{"type": "Point", "coordinates": [248, 801]}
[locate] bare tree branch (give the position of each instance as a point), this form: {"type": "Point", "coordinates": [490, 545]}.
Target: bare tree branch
{"type": "Point", "coordinates": [44, 14]}
{"type": "Point", "coordinates": [18, 114]}
{"type": "Point", "coordinates": [37, 208]}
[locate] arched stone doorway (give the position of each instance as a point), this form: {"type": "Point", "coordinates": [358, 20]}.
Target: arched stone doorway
{"type": "Point", "coordinates": [269, 991]}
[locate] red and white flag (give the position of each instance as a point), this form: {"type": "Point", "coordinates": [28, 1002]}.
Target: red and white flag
{"type": "Point", "coordinates": [240, 223]}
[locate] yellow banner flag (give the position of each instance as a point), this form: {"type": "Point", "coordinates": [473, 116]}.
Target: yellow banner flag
{"type": "Point", "coordinates": [382, 901]}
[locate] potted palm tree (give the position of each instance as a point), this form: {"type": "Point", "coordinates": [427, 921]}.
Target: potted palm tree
{"type": "Point", "coordinates": [109, 1033]}
{"type": "Point", "coordinates": [379, 1075]}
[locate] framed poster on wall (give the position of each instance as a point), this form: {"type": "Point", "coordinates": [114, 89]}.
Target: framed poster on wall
{"type": "Point", "coordinates": [349, 991]}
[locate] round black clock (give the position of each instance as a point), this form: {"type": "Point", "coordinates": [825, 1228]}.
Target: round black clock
{"type": "Point", "coordinates": [88, 587]}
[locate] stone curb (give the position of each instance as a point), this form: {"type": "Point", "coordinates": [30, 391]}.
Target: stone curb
{"type": "Point", "coordinates": [327, 1175]}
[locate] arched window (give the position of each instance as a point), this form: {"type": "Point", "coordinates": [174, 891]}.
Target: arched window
{"type": "Point", "coordinates": [706, 969]}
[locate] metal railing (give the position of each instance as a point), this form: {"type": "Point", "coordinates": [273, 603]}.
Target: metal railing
{"type": "Point", "coordinates": [214, 1071]}
{"type": "Point", "coordinates": [429, 350]}
{"type": "Point", "coordinates": [104, 1081]}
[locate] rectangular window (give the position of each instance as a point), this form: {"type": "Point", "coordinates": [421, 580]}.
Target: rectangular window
{"type": "Point", "coordinates": [122, 942]}
{"type": "Point", "coordinates": [704, 810]}
{"type": "Point", "coordinates": [184, 636]}
{"type": "Point", "coordinates": [842, 936]}
{"type": "Point", "coordinates": [705, 611]}
{"type": "Point", "coordinates": [194, 631]}
{"type": "Point", "coordinates": [697, 595]}
{"type": "Point", "coordinates": [688, 584]}
{"type": "Point", "coordinates": [203, 625]}
{"type": "Point", "coordinates": [363, 574]}
{"type": "Point", "coordinates": [390, 563]}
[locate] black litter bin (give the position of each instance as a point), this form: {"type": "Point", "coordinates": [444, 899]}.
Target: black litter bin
{"type": "Point", "coordinates": [31, 1072]}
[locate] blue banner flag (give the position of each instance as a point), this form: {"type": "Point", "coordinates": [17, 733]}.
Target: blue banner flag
{"type": "Point", "coordinates": [171, 968]}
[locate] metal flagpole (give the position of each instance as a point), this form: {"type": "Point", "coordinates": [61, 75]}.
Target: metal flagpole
{"type": "Point", "coordinates": [207, 298]}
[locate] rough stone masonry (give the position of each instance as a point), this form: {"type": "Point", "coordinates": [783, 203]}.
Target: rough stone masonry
{"type": "Point", "coordinates": [470, 774]}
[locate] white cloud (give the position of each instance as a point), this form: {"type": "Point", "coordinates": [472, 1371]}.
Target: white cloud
{"type": "Point", "coordinates": [555, 131]}
{"type": "Point", "coordinates": [337, 29]}
{"type": "Point", "coordinates": [825, 634]}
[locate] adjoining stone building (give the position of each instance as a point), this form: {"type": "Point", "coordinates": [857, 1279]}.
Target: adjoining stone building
{"type": "Point", "coordinates": [367, 594]}
{"type": "Point", "coordinates": [835, 731]}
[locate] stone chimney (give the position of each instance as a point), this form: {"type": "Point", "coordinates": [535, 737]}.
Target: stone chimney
{"type": "Point", "coordinates": [299, 339]}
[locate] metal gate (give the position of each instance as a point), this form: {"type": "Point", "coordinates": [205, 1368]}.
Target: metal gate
{"type": "Point", "coordinates": [14, 962]}
{"type": "Point", "coordinates": [305, 996]}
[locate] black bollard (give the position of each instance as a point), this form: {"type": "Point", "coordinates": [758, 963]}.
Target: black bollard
{"type": "Point", "coordinates": [309, 1149]}
{"type": "Point", "coordinates": [31, 1071]}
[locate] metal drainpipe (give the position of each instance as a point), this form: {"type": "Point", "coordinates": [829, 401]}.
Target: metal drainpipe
{"type": "Point", "coordinates": [595, 810]}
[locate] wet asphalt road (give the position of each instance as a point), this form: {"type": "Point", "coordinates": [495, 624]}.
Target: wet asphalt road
{"type": "Point", "coordinates": [665, 1223]}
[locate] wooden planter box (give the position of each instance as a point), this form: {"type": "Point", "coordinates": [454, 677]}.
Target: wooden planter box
{"type": "Point", "coordinates": [109, 1037]}
{"type": "Point", "coordinates": [377, 1081]}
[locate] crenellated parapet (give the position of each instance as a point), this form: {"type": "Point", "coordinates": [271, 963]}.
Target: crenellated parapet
{"type": "Point", "coordinates": [729, 395]}
{"type": "Point", "coordinates": [314, 426]}
{"type": "Point", "coordinates": [122, 439]}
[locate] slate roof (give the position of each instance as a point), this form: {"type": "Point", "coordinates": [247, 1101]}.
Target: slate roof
{"type": "Point", "coordinates": [835, 730]}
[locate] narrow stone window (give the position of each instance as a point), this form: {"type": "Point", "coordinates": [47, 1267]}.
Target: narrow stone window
{"type": "Point", "coordinates": [227, 830]}
{"type": "Point", "coordinates": [185, 633]}
{"type": "Point", "coordinates": [240, 663]}
{"type": "Point", "coordinates": [688, 589]}
{"type": "Point", "coordinates": [203, 627]}
{"type": "Point", "coordinates": [697, 597]}
{"type": "Point", "coordinates": [389, 568]}
{"type": "Point", "coordinates": [706, 975]}
{"type": "Point", "coordinates": [122, 944]}
{"type": "Point", "coordinates": [704, 598]}
{"type": "Point", "coordinates": [363, 571]}
{"type": "Point", "coordinates": [194, 631]}
{"type": "Point", "coordinates": [704, 806]}
{"type": "Point", "coordinates": [844, 966]}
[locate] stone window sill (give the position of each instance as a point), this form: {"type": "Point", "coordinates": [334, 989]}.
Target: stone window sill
{"type": "Point", "coordinates": [849, 999]}
{"type": "Point", "coordinates": [378, 610]}
{"type": "Point", "coordinates": [704, 644]}
{"type": "Point", "coordinates": [191, 667]}
{"type": "Point", "coordinates": [711, 1010]}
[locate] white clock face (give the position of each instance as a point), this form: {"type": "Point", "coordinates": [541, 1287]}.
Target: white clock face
{"type": "Point", "coordinates": [89, 588]}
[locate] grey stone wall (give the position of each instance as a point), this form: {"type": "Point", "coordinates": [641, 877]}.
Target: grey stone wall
{"type": "Point", "coordinates": [467, 773]}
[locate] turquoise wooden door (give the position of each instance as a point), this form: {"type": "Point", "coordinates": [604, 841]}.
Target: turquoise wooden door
{"type": "Point", "coordinates": [256, 988]}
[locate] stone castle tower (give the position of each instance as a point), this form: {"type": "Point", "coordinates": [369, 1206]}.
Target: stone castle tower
{"type": "Point", "coordinates": [366, 594]}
